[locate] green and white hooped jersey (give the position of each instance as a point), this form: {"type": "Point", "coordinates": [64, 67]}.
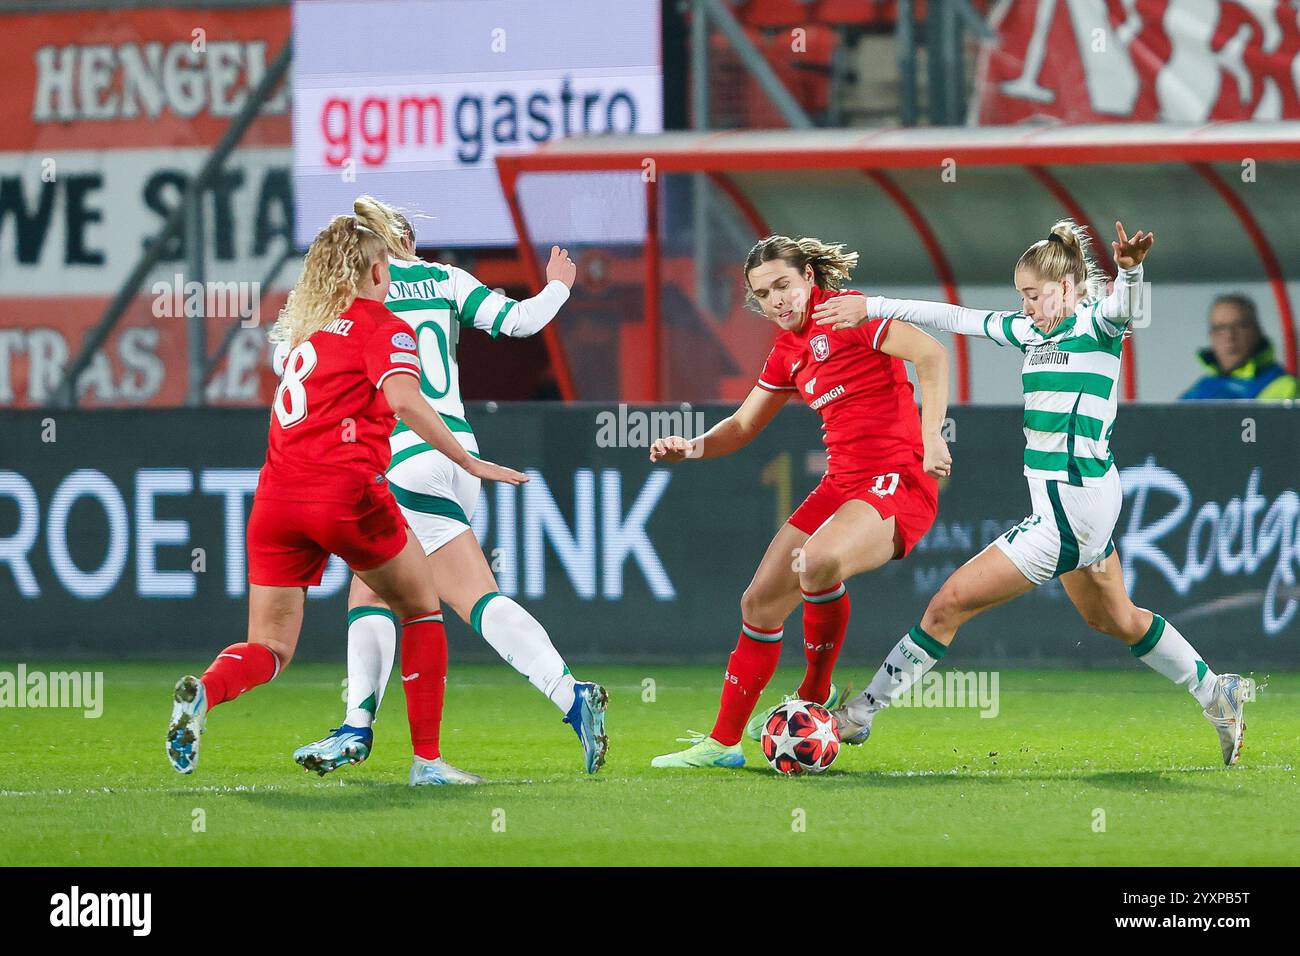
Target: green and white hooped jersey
{"type": "Point", "coordinates": [1071, 383]}
{"type": "Point", "coordinates": [1070, 376]}
{"type": "Point", "coordinates": [437, 301]}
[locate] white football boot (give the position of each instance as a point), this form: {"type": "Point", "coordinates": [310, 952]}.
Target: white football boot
{"type": "Point", "coordinates": [851, 731]}
{"type": "Point", "coordinates": [1227, 711]}
{"type": "Point", "coordinates": [189, 709]}
{"type": "Point", "coordinates": [435, 773]}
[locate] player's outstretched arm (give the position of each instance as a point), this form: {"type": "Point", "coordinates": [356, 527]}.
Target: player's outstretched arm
{"type": "Point", "coordinates": [731, 434]}
{"type": "Point", "coordinates": [404, 398]}
{"type": "Point", "coordinates": [850, 311]}
{"type": "Point", "coordinates": [930, 359]}
{"type": "Point", "coordinates": [496, 314]}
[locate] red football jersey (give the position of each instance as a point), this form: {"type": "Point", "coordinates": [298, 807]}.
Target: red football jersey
{"type": "Point", "coordinates": [869, 416]}
{"type": "Point", "coordinates": [329, 421]}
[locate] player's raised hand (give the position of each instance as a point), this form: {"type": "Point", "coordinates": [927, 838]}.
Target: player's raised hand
{"type": "Point", "coordinates": [561, 267]}
{"type": "Point", "coordinates": [489, 471]}
{"type": "Point", "coordinates": [937, 461]}
{"type": "Point", "coordinates": [1129, 251]}
{"type": "Point", "coordinates": [671, 449]}
{"type": "Point", "coordinates": [841, 312]}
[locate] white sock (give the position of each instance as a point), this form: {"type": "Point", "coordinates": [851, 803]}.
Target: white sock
{"type": "Point", "coordinates": [911, 658]}
{"type": "Point", "coordinates": [524, 645]}
{"type": "Point", "coordinates": [1167, 652]}
{"type": "Point", "coordinates": [372, 644]}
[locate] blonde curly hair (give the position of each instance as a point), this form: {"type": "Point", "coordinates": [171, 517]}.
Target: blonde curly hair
{"type": "Point", "coordinates": [333, 271]}
{"type": "Point", "coordinates": [387, 222]}
{"type": "Point", "coordinates": [831, 265]}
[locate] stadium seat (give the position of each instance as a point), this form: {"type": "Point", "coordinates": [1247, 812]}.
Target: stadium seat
{"type": "Point", "coordinates": [777, 14]}
{"type": "Point", "coordinates": [856, 13]}
{"type": "Point", "coordinates": [806, 74]}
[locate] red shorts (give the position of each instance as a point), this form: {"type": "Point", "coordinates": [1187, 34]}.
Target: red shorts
{"type": "Point", "coordinates": [908, 495]}
{"type": "Point", "coordinates": [289, 542]}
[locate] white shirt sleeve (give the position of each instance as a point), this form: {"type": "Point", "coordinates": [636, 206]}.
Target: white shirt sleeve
{"type": "Point", "coordinates": [1113, 314]}
{"type": "Point", "coordinates": [498, 314]}
{"type": "Point", "coordinates": [1004, 328]}
{"type": "Point", "coordinates": [532, 315]}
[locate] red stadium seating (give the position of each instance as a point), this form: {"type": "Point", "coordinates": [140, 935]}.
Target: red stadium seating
{"type": "Point", "coordinates": [806, 74]}
{"type": "Point", "coordinates": [776, 14]}
{"type": "Point", "coordinates": [811, 76]}
{"type": "Point", "coordinates": [856, 13]}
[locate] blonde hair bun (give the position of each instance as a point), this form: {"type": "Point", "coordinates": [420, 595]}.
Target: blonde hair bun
{"type": "Point", "coordinates": [1066, 253]}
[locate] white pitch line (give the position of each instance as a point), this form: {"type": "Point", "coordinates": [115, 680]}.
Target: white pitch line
{"type": "Point", "coordinates": [60, 792]}
{"type": "Point", "coordinates": [1069, 774]}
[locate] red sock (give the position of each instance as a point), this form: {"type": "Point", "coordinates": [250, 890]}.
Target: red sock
{"type": "Point", "coordinates": [424, 678]}
{"type": "Point", "coordinates": [238, 668]}
{"type": "Point", "coordinates": [825, 619]}
{"type": "Point", "coordinates": [749, 668]}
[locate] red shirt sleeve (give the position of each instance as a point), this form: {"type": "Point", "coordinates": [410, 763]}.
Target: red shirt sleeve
{"type": "Point", "coordinates": [870, 333]}
{"type": "Point", "coordinates": [390, 350]}
{"type": "Point", "coordinates": [775, 376]}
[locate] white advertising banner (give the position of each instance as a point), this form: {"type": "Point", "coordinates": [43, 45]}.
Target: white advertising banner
{"type": "Point", "coordinates": [412, 100]}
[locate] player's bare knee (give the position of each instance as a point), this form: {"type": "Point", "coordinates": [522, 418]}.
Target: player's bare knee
{"type": "Point", "coordinates": [941, 614]}
{"type": "Point", "coordinates": [820, 570]}
{"type": "Point", "coordinates": [1132, 623]}
{"type": "Point", "coordinates": [758, 609]}
{"type": "Point", "coordinates": [951, 605]}
{"type": "Point", "coordinates": [948, 610]}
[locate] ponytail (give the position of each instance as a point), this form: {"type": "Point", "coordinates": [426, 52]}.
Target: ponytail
{"type": "Point", "coordinates": [386, 222]}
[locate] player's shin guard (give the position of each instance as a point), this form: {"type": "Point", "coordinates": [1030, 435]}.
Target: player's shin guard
{"type": "Point", "coordinates": [825, 620]}
{"type": "Point", "coordinates": [908, 662]}
{"type": "Point", "coordinates": [524, 644]}
{"type": "Point", "coordinates": [239, 668]}
{"type": "Point", "coordinates": [424, 678]}
{"type": "Point", "coordinates": [1167, 652]}
{"type": "Point", "coordinates": [372, 644]}
{"type": "Point", "coordinates": [749, 668]}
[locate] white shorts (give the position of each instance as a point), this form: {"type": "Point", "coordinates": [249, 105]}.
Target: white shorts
{"type": "Point", "coordinates": [437, 496]}
{"type": "Point", "coordinates": [1070, 528]}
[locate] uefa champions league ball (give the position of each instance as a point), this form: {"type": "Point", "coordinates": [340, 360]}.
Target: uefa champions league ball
{"type": "Point", "coordinates": [800, 737]}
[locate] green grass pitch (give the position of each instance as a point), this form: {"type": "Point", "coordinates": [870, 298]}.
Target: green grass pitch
{"type": "Point", "coordinates": [934, 786]}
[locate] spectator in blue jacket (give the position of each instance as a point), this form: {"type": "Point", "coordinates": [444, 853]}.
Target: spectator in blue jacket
{"type": "Point", "coordinates": [1239, 362]}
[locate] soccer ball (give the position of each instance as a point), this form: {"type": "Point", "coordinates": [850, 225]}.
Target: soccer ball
{"type": "Point", "coordinates": [800, 737]}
